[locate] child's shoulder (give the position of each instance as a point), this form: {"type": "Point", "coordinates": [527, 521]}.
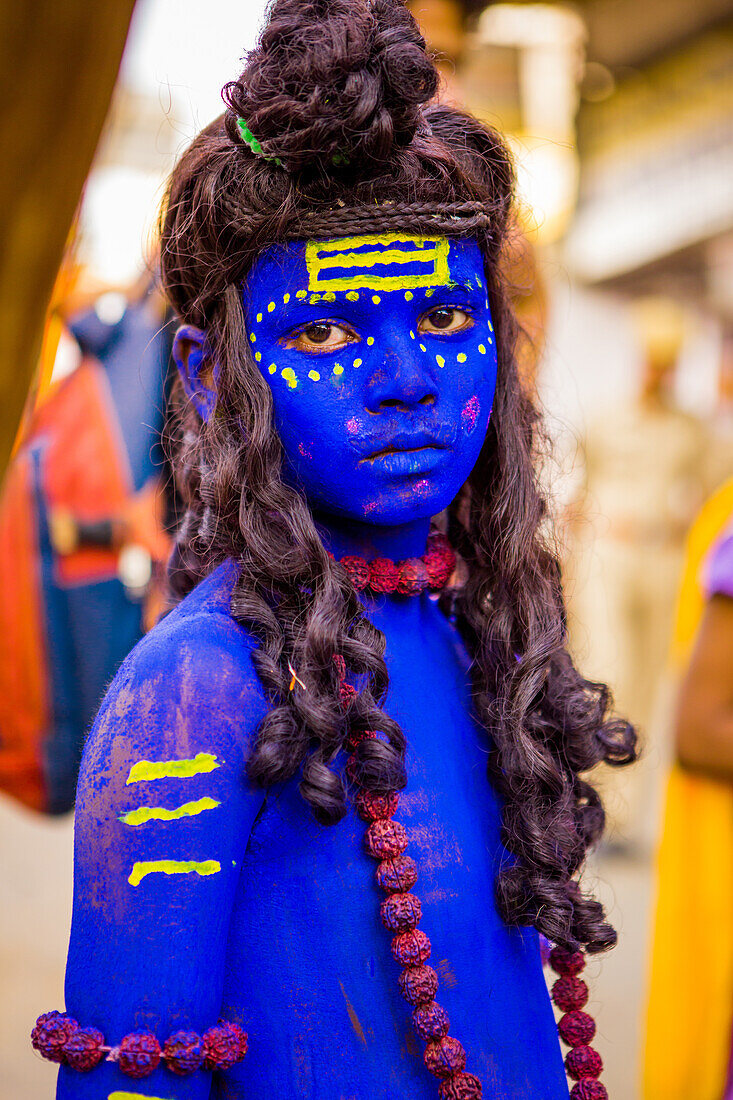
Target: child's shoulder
{"type": "Point", "coordinates": [190, 680]}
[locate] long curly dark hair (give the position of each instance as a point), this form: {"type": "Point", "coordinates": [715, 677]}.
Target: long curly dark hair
{"type": "Point", "coordinates": [338, 91]}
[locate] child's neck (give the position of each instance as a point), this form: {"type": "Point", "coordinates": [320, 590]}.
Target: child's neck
{"type": "Point", "coordinates": [344, 537]}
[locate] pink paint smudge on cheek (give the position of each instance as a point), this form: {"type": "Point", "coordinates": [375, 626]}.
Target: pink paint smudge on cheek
{"type": "Point", "coordinates": [470, 413]}
{"type": "Point", "coordinates": [352, 426]}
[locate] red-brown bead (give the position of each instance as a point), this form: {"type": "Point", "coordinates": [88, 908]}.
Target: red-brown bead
{"type": "Point", "coordinates": [413, 577]}
{"type": "Point", "coordinates": [440, 561]}
{"type": "Point", "coordinates": [566, 962]}
{"type": "Point", "coordinates": [183, 1052]}
{"type": "Point", "coordinates": [383, 575]}
{"type": "Point", "coordinates": [400, 912]}
{"type": "Point", "coordinates": [138, 1054]}
{"type": "Point", "coordinates": [83, 1049]}
{"type": "Point", "coordinates": [576, 1028]}
{"type": "Point", "coordinates": [430, 1021]}
{"type": "Point", "coordinates": [462, 1086]}
{"type": "Point", "coordinates": [570, 993]}
{"type": "Point", "coordinates": [223, 1046]}
{"type": "Point", "coordinates": [386, 839]}
{"type": "Point", "coordinates": [50, 1034]}
{"type": "Point", "coordinates": [588, 1089]}
{"type": "Point", "coordinates": [411, 948]}
{"type": "Point", "coordinates": [358, 571]}
{"type": "Point", "coordinates": [445, 1057]}
{"type": "Point", "coordinates": [373, 806]}
{"type": "Point", "coordinates": [582, 1062]}
{"type": "Point", "coordinates": [398, 874]}
{"type": "Point", "coordinates": [418, 984]}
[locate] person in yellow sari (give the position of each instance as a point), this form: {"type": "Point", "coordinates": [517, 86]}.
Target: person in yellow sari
{"type": "Point", "coordinates": [690, 1011]}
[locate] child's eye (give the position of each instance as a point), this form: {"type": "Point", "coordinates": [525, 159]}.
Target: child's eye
{"type": "Point", "coordinates": [320, 336]}
{"type": "Point", "coordinates": [445, 319]}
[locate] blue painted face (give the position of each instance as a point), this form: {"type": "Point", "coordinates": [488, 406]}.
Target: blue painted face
{"type": "Point", "coordinates": [381, 357]}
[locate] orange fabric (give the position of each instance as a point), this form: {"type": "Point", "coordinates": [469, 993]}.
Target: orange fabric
{"type": "Point", "coordinates": [92, 479]}
{"type": "Point", "coordinates": [24, 707]}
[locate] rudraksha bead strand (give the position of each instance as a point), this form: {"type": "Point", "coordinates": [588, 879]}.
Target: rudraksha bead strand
{"type": "Point", "coordinates": [409, 577]}
{"type": "Point", "coordinates": [59, 1038]}
{"type": "Point", "coordinates": [577, 1028]}
{"type": "Point", "coordinates": [401, 912]}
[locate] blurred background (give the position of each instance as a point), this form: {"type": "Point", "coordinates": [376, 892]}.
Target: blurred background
{"type": "Point", "coordinates": [620, 116]}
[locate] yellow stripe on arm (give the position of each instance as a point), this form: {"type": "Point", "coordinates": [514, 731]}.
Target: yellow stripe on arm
{"type": "Point", "coordinates": [132, 1096]}
{"type": "Point", "coordinates": [172, 867]}
{"type": "Point", "coordinates": [172, 769]}
{"type": "Point", "coordinates": [159, 813]}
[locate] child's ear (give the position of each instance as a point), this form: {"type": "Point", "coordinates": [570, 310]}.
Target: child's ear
{"type": "Point", "coordinates": [191, 356]}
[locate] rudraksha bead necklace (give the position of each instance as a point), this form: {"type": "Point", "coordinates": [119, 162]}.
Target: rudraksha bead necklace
{"type": "Point", "coordinates": [410, 577]}
{"type": "Point", "coordinates": [401, 911]}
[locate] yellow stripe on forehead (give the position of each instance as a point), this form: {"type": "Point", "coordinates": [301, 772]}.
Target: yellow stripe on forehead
{"type": "Point", "coordinates": [336, 265]}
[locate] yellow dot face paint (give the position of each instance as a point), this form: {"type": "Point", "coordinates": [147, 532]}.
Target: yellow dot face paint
{"type": "Point", "coordinates": [270, 307]}
{"type": "Point", "coordinates": [314, 376]}
{"type": "Point", "coordinates": [252, 337]}
{"type": "Point", "coordinates": [409, 295]}
{"type": "Point", "coordinates": [301, 294]}
{"type": "Point", "coordinates": [358, 362]}
{"type": "Point", "coordinates": [172, 769]}
{"type": "Point", "coordinates": [461, 357]}
{"type": "Point", "coordinates": [338, 369]}
{"type": "Point", "coordinates": [370, 340]}
{"type": "Point", "coordinates": [259, 318]}
{"type": "Point", "coordinates": [258, 356]}
{"type": "Point", "coordinates": [440, 360]}
{"type": "Point", "coordinates": [272, 368]}
{"type": "Point", "coordinates": [482, 349]}
{"type": "Point", "coordinates": [423, 348]}
{"type": "Point", "coordinates": [144, 814]}
{"type": "Point", "coordinates": [286, 299]}
{"type": "Point", "coordinates": [142, 869]}
{"type": "Point", "coordinates": [329, 296]}
{"type": "Point", "coordinates": [376, 299]}
{"type": "Point", "coordinates": [352, 295]}
{"type": "Point", "coordinates": [290, 377]}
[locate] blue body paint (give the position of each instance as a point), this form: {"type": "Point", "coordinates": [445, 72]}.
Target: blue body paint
{"type": "Point", "coordinates": [285, 938]}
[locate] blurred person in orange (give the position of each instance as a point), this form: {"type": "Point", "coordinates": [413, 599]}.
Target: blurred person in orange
{"type": "Point", "coordinates": [690, 1011]}
{"type": "Point", "coordinates": [646, 473]}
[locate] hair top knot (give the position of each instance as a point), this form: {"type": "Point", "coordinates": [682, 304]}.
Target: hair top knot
{"type": "Point", "coordinates": [333, 85]}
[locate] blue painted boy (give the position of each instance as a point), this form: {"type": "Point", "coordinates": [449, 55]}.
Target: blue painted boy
{"type": "Point", "coordinates": [345, 385]}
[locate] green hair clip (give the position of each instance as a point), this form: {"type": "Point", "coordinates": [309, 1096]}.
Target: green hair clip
{"type": "Point", "coordinates": [250, 140]}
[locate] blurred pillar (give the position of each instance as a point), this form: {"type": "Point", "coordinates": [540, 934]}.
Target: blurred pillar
{"type": "Point", "coordinates": [59, 64]}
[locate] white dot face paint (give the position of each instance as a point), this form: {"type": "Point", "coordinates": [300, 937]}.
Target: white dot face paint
{"type": "Point", "coordinates": [378, 353]}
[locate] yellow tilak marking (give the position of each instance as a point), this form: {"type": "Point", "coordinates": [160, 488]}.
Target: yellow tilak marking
{"type": "Point", "coordinates": [314, 375]}
{"type": "Point", "coordinates": [132, 1096]}
{"type": "Point", "coordinates": [159, 813]}
{"type": "Point", "coordinates": [172, 867]}
{"type": "Point", "coordinates": [461, 357]}
{"type": "Point", "coordinates": [324, 260]}
{"type": "Point", "coordinates": [172, 769]}
{"type": "Point", "coordinates": [338, 369]}
{"type": "Point", "coordinates": [289, 375]}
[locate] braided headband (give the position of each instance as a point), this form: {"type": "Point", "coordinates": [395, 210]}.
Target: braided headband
{"type": "Point", "coordinates": [453, 219]}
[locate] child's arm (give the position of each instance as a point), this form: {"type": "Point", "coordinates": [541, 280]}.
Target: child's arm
{"type": "Point", "coordinates": [164, 813]}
